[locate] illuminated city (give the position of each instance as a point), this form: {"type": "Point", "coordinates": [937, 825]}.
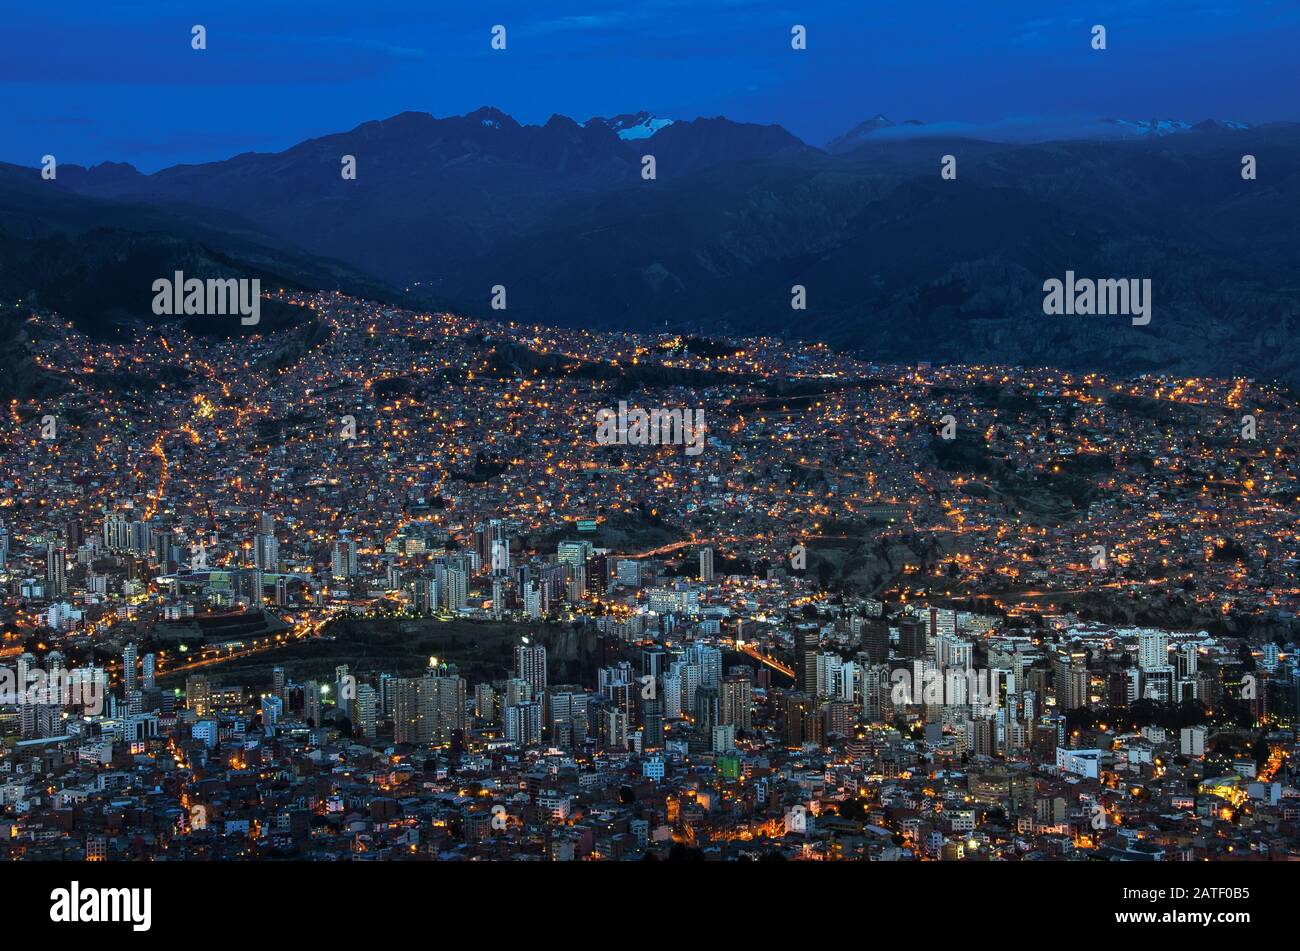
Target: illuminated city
{"type": "Point", "coordinates": [395, 601]}
{"type": "Point", "coordinates": [449, 450]}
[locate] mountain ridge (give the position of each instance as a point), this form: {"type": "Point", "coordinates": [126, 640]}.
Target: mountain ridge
{"type": "Point", "coordinates": [895, 259]}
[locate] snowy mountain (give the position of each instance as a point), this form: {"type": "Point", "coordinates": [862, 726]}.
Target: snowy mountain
{"type": "Point", "coordinates": [639, 125]}
{"type": "Point", "coordinates": [1159, 127]}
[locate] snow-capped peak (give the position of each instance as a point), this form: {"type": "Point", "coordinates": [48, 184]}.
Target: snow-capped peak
{"type": "Point", "coordinates": [1159, 127]}
{"type": "Point", "coordinates": [1150, 126]}
{"type": "Point", "coordinates": [640, 125]}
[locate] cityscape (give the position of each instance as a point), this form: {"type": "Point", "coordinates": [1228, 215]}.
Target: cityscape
{"type": "Point", "coordinates": [442, 443]}
{"type": "Point", "coordinates": [389, 597]}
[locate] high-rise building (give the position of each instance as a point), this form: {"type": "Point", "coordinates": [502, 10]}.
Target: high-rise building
{"type": "Point", "coordinates": [940, 621]}
{"type": "Point", "coordinates": [163, 545]}
{"type": "Point", "coordinates": [707, 708]}
{"type": "Point", "coordinates": [1072, 690]}
{"type": "Point", "coordinates": [56, 570]}
{"type": "Point", "coordinates": [410, 712]}
{"type": "Point", "coordinates": [597, 573]}
{"type": "Point", "coordinates": [1118, 687]}
{"type": "Point", "coordinates": [499, 551]}
{"type": "Point", "coordinates": [629, 572]}
{"type": "Point", "coordinates": [530, 666]}
{"type": "Point", "coordinates": [652, 716]}
{"type": "Point", "coordinates": [138, 538]}
{"type": "Point", "coordinates": [952, 651]}
{"type": "Point", "coordinates": [1069, 657]}
{"type": "Point", "coordinates": [1153, 649]}
{"type": "Point", "coordinates": [801, 721]}
{"type": "Point", "coordinates": [573, 553]}
{"type": "Point", "coordinates": [912, 638]}
{"type": "Point", "coordinates": [517, 691]}
{"type": "Point", "coordinates": [614, 732]}
{"type": "Point", "coordinates": [568, 718]}
{"type": "Point", "coordinates": [428, 710]}
{"type": "Point", "coordinates": [343, 559]}
{"type": "Point", "coordinates": [26, 662]}
{"type": "Point", "coordinates": [622, 695]}
{"type": "Point", "coordinates": [1191, 740]}
{"type": "Point", "coordinates": [576, 588]}
{"type": "Point", "coordinates": [485, 703]}
{"type": "Point", "coordinates": [266, 552]}
{"type": "Point", "coordinates": [736, 705]}
{"type": "Point", "coordinates": [116, 532]}
{"type": "Point", "coordinates": [457, 589]}
{"type": "Point", "coordinates": [365, 716]}
{"type": "Point", "coordinates": [129, 666]}
{"type": "Point", "coordinates": [523, 723]}
{"type": "Point", "coordinates": [709, 659]}
{"type": "Point", "coordinates": [311, 702]}
{"type": "Point", "coordinates": [74, 533]}
{"type": "Point", "coordinates": [1158, 683]}
{"type": "Point", "coordinates": [248, 584]}
{"type": "Point", "coordinates": [877, 693]}
{"type": "Point", "coordinates": [830, 675]}
{"type": "Point", "coordinates": [272, 713]}
{"type": "Point", "coordinates": [706, 565]}
{"type": "Point", "coordinates": [500, 590]}
{"type": "Point", "coordinates": [532, 598]}
{"type": "Point", "coordinates": [671, 689]}
{"type": "Point", "coordinates": [147, 668]}
{"type": "Point", "coordinates": [424, 594]}
{"type": "Point", "coordinates": [689, 675]}
{"type": "Point", "coordinates": [724, 738]}
{"type": "Point", "coordinates": [807, 641]}
{"type": "Point", "coordinates": [838, 718]}
{"type": "Point", "coordinates": [875, 640]}
{"type": "Point", "coordinates": [653, 659]}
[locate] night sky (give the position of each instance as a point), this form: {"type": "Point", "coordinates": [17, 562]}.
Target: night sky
{"type": "Point", "coordinates": [123, 84]}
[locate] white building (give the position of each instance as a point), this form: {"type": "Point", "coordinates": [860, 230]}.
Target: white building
{"type": "Point", "coordinates": [1086, 763]}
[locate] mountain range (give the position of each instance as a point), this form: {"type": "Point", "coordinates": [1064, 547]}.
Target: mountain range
{"type": "Point", "coordinates": [898, 262]}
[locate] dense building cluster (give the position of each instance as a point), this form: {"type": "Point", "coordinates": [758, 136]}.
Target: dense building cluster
{"type": "Point", "coordinates": [377, 591]}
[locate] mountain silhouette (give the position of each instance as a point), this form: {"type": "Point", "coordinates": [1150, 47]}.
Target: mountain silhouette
{"type": "Point", "coordinates": [898, 263]}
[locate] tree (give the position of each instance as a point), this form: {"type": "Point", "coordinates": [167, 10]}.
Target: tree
{"type": "Point", "coordinates": [853, 808]}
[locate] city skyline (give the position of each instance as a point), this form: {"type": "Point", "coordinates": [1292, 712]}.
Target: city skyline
{"type": "Point", "coordinates": [673, 435]}
{"type": "Point", "coordinates": [1037, 639]}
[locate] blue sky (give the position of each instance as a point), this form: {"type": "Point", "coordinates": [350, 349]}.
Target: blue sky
{"type": "Point", "coordinates": [122, 84]}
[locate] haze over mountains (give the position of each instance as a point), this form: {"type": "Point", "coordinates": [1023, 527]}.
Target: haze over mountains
{"type": "Point", "coordinates": [898, 263]}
